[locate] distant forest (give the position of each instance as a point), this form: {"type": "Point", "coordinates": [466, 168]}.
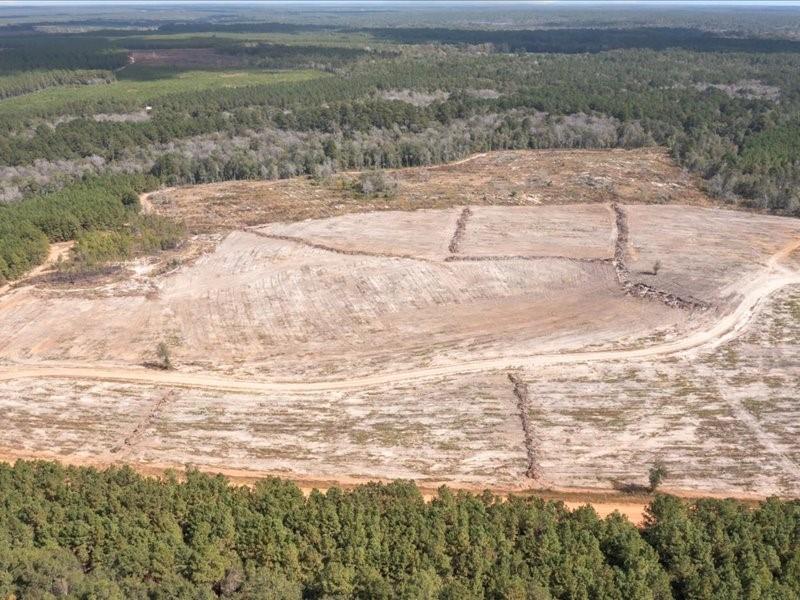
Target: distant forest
{"type": "Point", "coordinates": [213, 99]}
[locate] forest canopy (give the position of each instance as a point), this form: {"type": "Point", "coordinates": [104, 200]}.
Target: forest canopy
{"type": "Point", "coordinates": [725, 102]}
{"type": "Point", "coordinates": [84, 533]}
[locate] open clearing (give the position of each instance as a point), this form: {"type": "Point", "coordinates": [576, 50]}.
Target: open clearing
{"type": "Point", "coordinates": [506, 178]}
{"type": "Point", "coordinates": [512, 333]}
{"type": "Point", "coordinates": [139, 90]}
{"type": "Point", "coordinates": [197, 58]}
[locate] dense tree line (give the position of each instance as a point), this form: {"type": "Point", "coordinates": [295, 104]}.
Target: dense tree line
{"type": "Point", "coordinates": [742, 143]}
{"type": "Point", "coordinates": [595, 39]}
{"type": "Point", "coordinates": [277, 154]}
{"type": "Point", "coordinates": [271, 153]}
{"type": "Point", "coordinates": [39, 51]}
{"type": "Point", "coordinates": [99, 203]}
{"type": "Point", "coordinates": [31, 81]}
{"type": "Point", "coordinates": [82, 533]}
{"type": "Point", "coordinates": [697, 103]}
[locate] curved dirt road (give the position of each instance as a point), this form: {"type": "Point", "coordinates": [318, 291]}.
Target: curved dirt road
{"type": "Point", "coordinates": [770, 279]}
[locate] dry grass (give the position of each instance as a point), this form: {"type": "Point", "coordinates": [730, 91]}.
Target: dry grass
{"type": "Point", "coordinates": [511, 178]}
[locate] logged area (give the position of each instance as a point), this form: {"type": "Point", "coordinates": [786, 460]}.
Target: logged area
{"type": "Point", "coordinates": [508, 321]}
{"type": "Point", "coordinates": [507, 178]}
{"type": "Point", "coordinates": [347, 301]}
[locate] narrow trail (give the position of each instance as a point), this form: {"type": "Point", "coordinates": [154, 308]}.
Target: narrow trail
{"type": "Point", "coordinates": [146, 204]}
{"type": "Point", "coordinates": [457, 162]}
{"type": "Point", "coordinates": [753, 292]}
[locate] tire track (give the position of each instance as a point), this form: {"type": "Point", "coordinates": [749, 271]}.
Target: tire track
{"type": "Point", "coordinates": [533, 469]}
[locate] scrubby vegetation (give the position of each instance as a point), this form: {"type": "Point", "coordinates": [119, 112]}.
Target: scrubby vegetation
{"type": "Point", "coordinates": [374, 183]}
{"type": "Point", "coordinates": [141, 234]}
{"type": "Point", "coordinates": [83, 533]}
{"type": "Point", "coordinates": [97, 211]}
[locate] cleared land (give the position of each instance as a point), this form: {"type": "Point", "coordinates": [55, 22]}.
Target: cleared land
{"type": "Point", "coordinates": [379, 344]}
{"type": "Point", "coordinates": [722, 420]}
{"type": "Point", "coordinates": [197, 58]}
{"type": "Point", "coordinates": [509, 178]}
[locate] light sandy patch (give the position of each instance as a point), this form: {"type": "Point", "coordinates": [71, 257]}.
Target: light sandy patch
{"type": "Point", "coordinates": [579, 231]}
{"type": "Point", "coordinates": [423, 233]}
{"type": "Point", "coordinates": [354, 348]}
{"type": "Point", "coordinates": [703, 252]}
{"type": "Point", "coordinates": [723, 421]}
{"type": "Point", "coordinates": [428, 434]}
{"type": "Point", "coordinates": [276, 308]}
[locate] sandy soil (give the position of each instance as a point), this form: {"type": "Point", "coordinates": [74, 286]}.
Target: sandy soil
{"type": "Point", "coordinates": [721, 418]}
{"type": "Point", "coordinates": [272, 307]}
{"type": "Point", "coordinates": [729, 247]}
{"type": "Point", "coordinates": [378, 345]}
{"type": "Point", "coordinates": [753, 292]}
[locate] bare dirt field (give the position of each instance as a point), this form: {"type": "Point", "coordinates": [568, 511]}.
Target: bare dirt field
{"type": "Point", "coordinates": [723, 421]}
{"type": "Point", "coordinates": [185, 57]}
{"type": "Point", "coordinates": [491, 338]}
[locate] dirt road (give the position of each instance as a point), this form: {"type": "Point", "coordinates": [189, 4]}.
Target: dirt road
{"type": "Point", "coordinates": [770, 279]}
{"type": "Point", "coordinates": [58, 250]}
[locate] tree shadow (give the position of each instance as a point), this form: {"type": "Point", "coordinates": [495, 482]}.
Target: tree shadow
{"type": "Point", "coordinates": [628, 487]}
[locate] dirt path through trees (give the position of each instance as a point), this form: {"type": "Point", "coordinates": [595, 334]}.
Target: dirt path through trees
{"type": "Point", "coordinates": [57, 251]}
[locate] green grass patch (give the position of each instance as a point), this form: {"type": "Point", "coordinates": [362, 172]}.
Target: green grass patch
{"type": "Point", "coordinates": [138, 86]}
